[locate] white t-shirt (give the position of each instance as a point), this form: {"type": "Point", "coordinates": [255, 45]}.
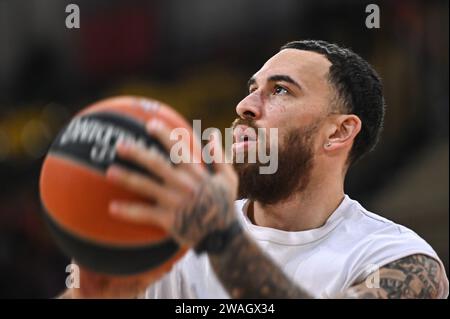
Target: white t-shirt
{"type": "Point", "coordinates": [324, 261]}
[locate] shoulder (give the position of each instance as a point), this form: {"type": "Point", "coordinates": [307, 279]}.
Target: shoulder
{"type": "Point", "coordinates": [378, 241]}
{"type": "Point", "coordinates": [372, 229]}
{"type": "Point", "coordinates": [414, 276]}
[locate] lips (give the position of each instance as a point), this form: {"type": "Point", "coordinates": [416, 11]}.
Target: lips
{"type": "Point", "coordinates": [244, 136]}
{"type": "Point", "coordinates": [243, 133]}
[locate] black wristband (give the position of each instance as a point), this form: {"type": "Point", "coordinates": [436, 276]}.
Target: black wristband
{"type": "Point", "coordinates": [216, 241]}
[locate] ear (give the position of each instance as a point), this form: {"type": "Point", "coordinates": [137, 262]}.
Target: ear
{"type": "Point", "coordinates": [342, 132]}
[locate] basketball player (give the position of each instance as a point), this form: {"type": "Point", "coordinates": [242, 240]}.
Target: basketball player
{"type": "Point", "coordinates": [292, 234]}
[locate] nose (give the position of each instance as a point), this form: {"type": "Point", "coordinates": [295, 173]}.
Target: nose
{"type": "Point", "coordinates": [250, 107]}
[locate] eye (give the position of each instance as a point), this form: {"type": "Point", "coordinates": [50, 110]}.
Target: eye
{"type": "Point", "coordinates": [252, 89]}
{"type": "Point", "coordinates": [279, 90]}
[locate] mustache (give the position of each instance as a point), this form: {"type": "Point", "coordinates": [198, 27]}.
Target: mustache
{"type": "Point", "coordinates": [246, 121]}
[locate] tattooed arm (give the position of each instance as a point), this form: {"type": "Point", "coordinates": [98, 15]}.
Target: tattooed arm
{"type": "Point", "coordinates": [194, 205]}
{"type": "Point", "coordinates": [415, 276]}
{"type": "Point", "coordinates": [246, 272]}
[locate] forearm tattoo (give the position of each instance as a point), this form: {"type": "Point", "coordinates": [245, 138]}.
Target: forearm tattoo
{"type": "Point", "coordinates": [246, 272]}
{"type": "Point", "coordinates": [210, 210]}
{"type": "Point", "coordinates": [415, 276]}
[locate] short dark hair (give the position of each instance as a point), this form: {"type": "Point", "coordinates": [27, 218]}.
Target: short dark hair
{"type": "Point", "coordinates": [358, 87]}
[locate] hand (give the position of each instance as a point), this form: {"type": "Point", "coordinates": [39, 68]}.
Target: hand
{"type": "Point", "coordinates": [190, 203]}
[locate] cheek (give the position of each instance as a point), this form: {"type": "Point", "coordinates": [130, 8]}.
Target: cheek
{"type": "Point", "coordinates": [275, 137]}
{"type": "Point", "coordinates": [277, 106]}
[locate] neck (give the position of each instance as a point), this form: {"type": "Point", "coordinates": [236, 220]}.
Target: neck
{"type": "Point", "coordinates": [305, 210]}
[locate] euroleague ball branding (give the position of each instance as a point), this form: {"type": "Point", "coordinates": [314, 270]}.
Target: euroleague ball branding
{"type": "Point", "coordinates": [100, 136]}
{"type": "Point", "coordinates": [94, 137]}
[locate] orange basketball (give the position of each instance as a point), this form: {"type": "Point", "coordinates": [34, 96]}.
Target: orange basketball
{"type": "Point", "coordinates": [75, 193]}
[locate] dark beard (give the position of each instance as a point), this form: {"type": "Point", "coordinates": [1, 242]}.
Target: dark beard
{"type": "Point", "coordinates": [295, 162]}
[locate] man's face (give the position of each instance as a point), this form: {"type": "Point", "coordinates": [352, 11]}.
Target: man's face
{"type": "Point", "coordinates": [290, 92]}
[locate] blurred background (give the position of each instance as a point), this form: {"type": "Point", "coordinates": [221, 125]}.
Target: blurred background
{"type": "Point", "coordinates": [197, 56]}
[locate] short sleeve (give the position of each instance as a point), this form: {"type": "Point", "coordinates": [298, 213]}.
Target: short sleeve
{"type": "Point", "coordinates": [385, 246]}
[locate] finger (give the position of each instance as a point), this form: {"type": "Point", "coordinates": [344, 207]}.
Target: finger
{"type": "Point", "coordinates": [155, 162]}
{"type": "Point", "coordinates": [196, 170]}
{"type": "Point", "coordinates": [141, 213]}
{"type": "Point", "coordinates": [142, 185]}
{"type": "Point", "coordinates": [163, 134]}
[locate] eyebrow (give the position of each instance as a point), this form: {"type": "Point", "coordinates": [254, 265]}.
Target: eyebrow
{"type": "Point", "coordinates": [276, 78]}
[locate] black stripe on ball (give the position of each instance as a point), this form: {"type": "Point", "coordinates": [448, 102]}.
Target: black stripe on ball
{"type": "Point", "coordinates": [125, 260]}
{"type": "Point", "coordinates": [91, 139]}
